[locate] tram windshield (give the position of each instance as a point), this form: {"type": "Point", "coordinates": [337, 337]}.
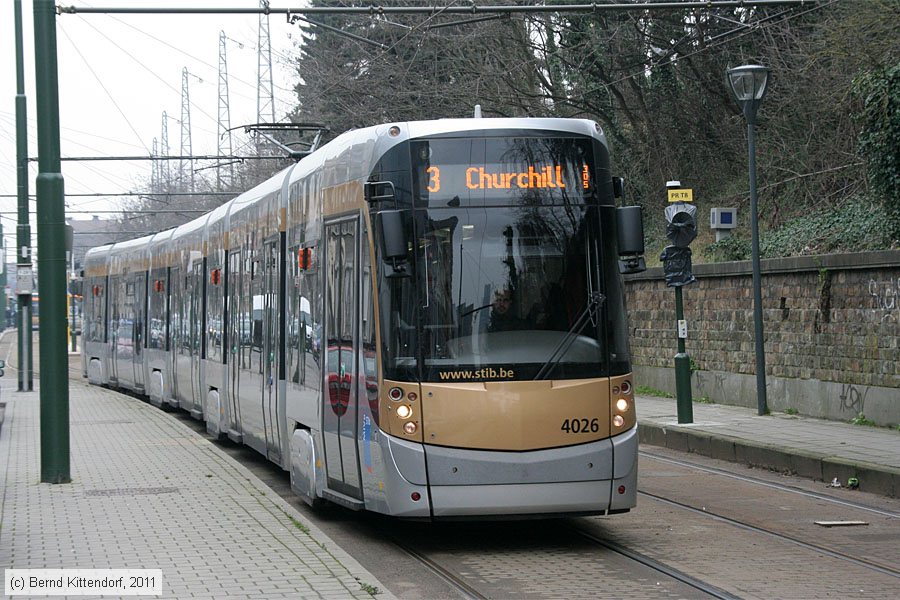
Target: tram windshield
{"type": "Point", "coordinates": [505, 279]}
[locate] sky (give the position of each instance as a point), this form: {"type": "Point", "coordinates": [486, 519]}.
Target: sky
{"type": "Point", "coordinates": [117, 74]}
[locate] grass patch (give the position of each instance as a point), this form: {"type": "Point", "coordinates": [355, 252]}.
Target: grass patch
{"type": "Point", "coordinates": [368, 588]}
{"type": "Point", "coordinates": [704, 400]}
{"type": "Point", "coordinates": [791, 411]}
{"type": "Point", "coordinates": [299, 525]}
{"type": "Point", "coordinates": [861, 419]}
{"type": "Point", "coordinates": [857, 224]}
{"type": "Point", "coordinates": [646, 390]}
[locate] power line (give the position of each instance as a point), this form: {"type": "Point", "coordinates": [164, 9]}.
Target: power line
{"type": "Point", "coordinates": [116, 212]}
{"type": "Point", "coordinates": [472, 9]}
{"type": "Point", "coordinates": [109, 95]}
{"type": "Point", "coordinates": [103, 194]}
{"type": "Point", "coordinates": [151, 157]}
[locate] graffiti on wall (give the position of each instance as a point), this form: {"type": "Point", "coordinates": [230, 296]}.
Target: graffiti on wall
{"type": "Point", "coordinates": [886, 298]}
{"type": "Point", "coordinates": [852, 399]}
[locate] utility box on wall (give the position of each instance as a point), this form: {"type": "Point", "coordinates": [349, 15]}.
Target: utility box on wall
{"type": "Point", "coordinates": [722, 220]}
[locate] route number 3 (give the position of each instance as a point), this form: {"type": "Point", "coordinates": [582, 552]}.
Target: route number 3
{"type": "Point", "coordinates": [434, 179]}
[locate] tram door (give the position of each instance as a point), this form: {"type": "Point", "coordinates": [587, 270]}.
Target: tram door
{"type": "Point", "coordinates": [113, 320]}
{"type": "Point", "coordinates": [140, 322]}
{"type": "Point", "coordinates": [340, 406]}
{"type": "Point", "coordinates": [235, 340]}
{"type": "Point", "coordinates": [195, 283]}
{"type": "Point", "coordinates": [179, 317]}
{"type": "Point", "coordinates": [124, 341]}
{"type": "Point", "coordinates": [185, 347]}
{"type": "Point", "coordinates": [270, 358]}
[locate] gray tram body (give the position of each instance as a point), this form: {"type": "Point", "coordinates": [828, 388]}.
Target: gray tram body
{"type": "Point", "coordinates": [219, 317]}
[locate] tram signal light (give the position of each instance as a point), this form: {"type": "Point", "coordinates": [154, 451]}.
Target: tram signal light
{"type": "Point", "coordinates": [215, 276]}
{"type": "Point", "coordinates": [681, 224]}
{"type": "Point", "coordinates": [159, 285]}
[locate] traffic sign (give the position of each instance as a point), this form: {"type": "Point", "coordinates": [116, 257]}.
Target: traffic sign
{"type": "Point", "coordinates": [682, 195]}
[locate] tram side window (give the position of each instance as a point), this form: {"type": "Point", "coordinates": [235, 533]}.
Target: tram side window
{"type": "Point", "coordinates": [96, 326]}
{"type": "Point", "coordinates": [114, 292]}
{"type": "Point", "coordinates": [214, 308]}
{"type": "Point", "coordinates": [305, 330]}
{"type": "Point", "coordinates": [158, 296]}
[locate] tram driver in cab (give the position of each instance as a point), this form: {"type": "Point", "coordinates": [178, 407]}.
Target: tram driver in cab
{"type": "Point", "coordinates": [503, 316]}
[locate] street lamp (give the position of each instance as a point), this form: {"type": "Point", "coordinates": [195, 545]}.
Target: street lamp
{"type": "Point", "coordinates": [749, 84]}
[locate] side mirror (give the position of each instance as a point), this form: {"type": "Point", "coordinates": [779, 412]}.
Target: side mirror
{"type": "Point", "coordinates": [378, 191]}
{"type": "Point", "coordinates": [394, 245]}
{"type": "Point", "coordinates": [630, 233]}
{"type": "Point", "coordinates": [75, 286]}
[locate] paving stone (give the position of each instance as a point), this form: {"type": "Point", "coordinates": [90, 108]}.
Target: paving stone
{"type": "Point", "coordinates": [140, 498]}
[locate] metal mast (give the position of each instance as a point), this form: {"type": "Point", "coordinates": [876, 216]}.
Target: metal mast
{"type": "Point", "coordinates": [185, 164]}
{"type": "Point", "coordinates": [265, 101]}
{"type": "Point", "coordinates": [165, 173]}
{"type": "Point", "coordinates": [224, 174]}
{"type": "Point", "coordinates": [23, 228]}
{"type": "Point", "coordinates": [154, 168]}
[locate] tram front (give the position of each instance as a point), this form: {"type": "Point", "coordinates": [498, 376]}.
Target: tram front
{"type": "Point", "coordinates": [505, 370]}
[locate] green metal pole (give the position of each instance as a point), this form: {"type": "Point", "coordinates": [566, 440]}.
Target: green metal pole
{"type": "Point", "coordinates": [761, 404]}
{"type": "Point", "coordinates": [682, 366]}
{"type": "Point", "coordinates": [51, 254]}
{"type": "Point", "coordinates": [3, 319]}
{"type": "Point", "coordinates": [23, 229]}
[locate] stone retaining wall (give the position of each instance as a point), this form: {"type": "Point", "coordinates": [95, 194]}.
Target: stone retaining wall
{"type": "Point", "coordinates": [831, 328]}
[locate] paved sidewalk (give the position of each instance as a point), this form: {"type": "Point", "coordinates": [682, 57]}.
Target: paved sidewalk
{"type": "Point", "coordinates": [147, 492]}
{"type": "Point", "coordinates": [809, 447]}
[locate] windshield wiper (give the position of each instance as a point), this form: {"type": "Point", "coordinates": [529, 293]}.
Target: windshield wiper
{"type": "Point", "coordinates": [595, 300]}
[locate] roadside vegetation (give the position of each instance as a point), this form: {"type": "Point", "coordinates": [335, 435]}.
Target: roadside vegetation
{"type": "Point", "coordinates": [828, 141]}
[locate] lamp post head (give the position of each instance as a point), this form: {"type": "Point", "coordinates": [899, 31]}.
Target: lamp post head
{"type": "Point", "coordinates": [749, 84]}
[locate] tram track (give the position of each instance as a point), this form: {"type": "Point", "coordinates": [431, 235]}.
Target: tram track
{"type": "Point", "coordinates": [457, 583]}
{"type": "Point", "coordinates": [542, 543]}
{"type": "Point", "coordinates": [770, 484]}
{"type": "Point", "coordinates": [884, 569]}
{"type": "Point", "coordinates": [832, 552]}
{"type": "Point", "coordinates": [656, 565]}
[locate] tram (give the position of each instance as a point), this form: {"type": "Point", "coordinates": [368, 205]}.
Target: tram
{"type": "Point", "coordinates": [421, 319]}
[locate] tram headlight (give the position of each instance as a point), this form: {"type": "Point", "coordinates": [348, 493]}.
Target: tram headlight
{"type": "Point", "coordinates": [622, 405]}
{"type": "Point", "coordinates": [404, 411]}
{"type": "Point", "coordinates": [618, 420]}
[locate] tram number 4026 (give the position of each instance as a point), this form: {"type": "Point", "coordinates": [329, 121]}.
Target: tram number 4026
{"type": "Point", "coordinates": [581, 425]}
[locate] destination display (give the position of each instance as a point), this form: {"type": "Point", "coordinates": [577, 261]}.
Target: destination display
{"type": "Point", "coordinates": [489, 171]}
{"type": "Point", "coordinates": [479, 178]}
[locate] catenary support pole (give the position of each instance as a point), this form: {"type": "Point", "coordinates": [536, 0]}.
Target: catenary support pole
{"type": "Point", "coordinates": [54, 380]}
{"type": "Point", "coordinates": [23, 229]}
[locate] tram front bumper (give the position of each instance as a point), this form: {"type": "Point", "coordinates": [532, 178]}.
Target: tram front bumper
{"type": "Point", "coordinates": [582, 497]}
{"type": "Point", "coordinates": [588, 478]}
